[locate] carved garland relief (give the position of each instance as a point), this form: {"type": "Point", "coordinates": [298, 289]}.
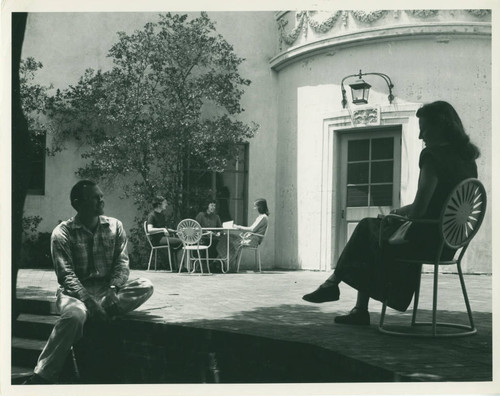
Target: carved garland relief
{"type": "Point", "coordinates": [305, 19]}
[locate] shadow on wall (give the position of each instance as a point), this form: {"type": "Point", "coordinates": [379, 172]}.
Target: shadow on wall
{"type": "Point", "coordinates": [300, 344]}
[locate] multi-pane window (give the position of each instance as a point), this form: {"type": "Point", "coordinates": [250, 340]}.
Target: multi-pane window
{"type": "Point", "coordinates": [36, 184]}
{"type": "Point", "coordinates": [370, 170]}
{"type": "Point", "coordinates": [229, 188]}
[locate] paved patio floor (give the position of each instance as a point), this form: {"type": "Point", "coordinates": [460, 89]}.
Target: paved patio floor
{"type": "Point", "coordinates": [269, 305]}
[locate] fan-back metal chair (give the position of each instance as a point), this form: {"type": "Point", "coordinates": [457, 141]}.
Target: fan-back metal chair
{"type": "Point", "coordinates": [459, 222]}
{"type": "Point", "coordinates": [256, 250]}
{"type": "Point", "coordinates": [190, 233]}
{"type": "Point", "coordinates": [154, 249]}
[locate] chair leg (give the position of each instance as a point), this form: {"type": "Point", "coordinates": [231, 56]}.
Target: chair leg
{"type": "Point", "coordinates": [199, 260]}
{"type": "Point", "coordinates": [208, 262]}
{"type": "Point", "coordinates": [258, 255]}
{"type": "Point", "coordinates": [434, 299]}
{"type": "Point", "coordinates": [182, 261]}
{"type": "Point", "coordinates": [170, 259]}
{"type": "Point", "coordinates": [150, 258]}
{"type": "Point", "coordinates": [382, 314]}
{"type": "Point", "coordinates": [416, 299]}
{"type": "Point", "coordinates": [156, 257]}
{"type": "Point", "coordinates": [239, 253]}
{"type": "Point", "coordinates": [466, 298]}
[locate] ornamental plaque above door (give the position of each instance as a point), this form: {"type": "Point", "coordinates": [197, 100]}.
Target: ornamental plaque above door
{"type": "Point", "coordinates": [368, 115]}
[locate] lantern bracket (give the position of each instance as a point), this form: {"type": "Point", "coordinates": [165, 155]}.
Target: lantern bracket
{"type": "Point", "coordinates": [385, 77]}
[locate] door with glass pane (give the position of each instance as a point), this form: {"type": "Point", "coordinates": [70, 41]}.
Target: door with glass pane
{"type": "Point", "coordinates": [369, 174]}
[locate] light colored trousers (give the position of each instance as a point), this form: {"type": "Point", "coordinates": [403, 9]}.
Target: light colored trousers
{"type": "Point", "coordinates": [69, 327]}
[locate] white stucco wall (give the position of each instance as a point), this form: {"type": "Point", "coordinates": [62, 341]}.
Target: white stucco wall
{"type": "Point", "coordinates": [69, 43]}
{"type": "Point", "coordinates": [423, 69]}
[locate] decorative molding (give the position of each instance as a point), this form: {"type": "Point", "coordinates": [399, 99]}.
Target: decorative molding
{"type": "Point", "coordinates": [380, 34]}
{"type": "Point", "coordinates": [290, 38]}
{"type": "Point", "coordinates": [304, 20]}
{"type": "Point", "coordinates": [422, 13]}
{"type": "Point", "coordinates": [324, 26]}
{"type": "Point", "coordinates": [366, 116]}
{"type": "Point", "coordinates": [479, 13]}
{"type": "Point", "coordinates": [369, 17]}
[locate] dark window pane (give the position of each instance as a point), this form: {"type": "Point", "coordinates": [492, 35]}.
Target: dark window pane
{"type": "Point", "coordinates": [357, 173]}
{"type": "Point", "coordinates": [382, 172]}
{"type": "Point", "coordinates": [36, 184]}
{"type": "Point", "coordinates": [358, 150]}
{"type": "Point", "coordinates": [37, 177]}
{"type": "Point", "coordinates": [357, 196]}
{"type": "Point", "coordinates": [382, 148]}
{"type": "Point", "coordinates": [381, 195]}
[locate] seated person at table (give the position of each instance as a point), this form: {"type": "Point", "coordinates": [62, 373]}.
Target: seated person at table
{"type": "Point", "coordinates": [209, 219]}
{"type": "Point", "coordinates": [157, 222]}
{"type": "Point", "coordinates": [252, 236]}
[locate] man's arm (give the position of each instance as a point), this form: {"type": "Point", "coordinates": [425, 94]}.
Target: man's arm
{"type": "Point", "coordinates": [154, 230]}
{"type": "Point", "coordinates": [64, 267]}
{"type": "Point", "coordinates": [120, 270]}
{"type": "Point", "coordinates": [63, 263]}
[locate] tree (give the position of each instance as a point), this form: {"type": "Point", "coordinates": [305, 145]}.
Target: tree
{"type": "Point", "coordinates": [169, 101]}
{"type": "Point", "coordinates": [35, 99]}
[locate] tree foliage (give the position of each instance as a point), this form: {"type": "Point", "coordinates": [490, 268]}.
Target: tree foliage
{"type": "Point", "coordinates": [35, 101]}
{"type": "Point", "coordinates": [169, 101]}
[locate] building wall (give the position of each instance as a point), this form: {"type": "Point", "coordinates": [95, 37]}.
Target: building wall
{"type": "Point", "coordinates": [69, 43]}
{"type": "Point", "coordinates": [294, 96]}
{"type": "Point", "coordinates": [424, 67]}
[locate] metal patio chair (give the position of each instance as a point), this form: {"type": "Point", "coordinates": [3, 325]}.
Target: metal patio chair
{"type": "Point", "coordinates": [190, 233]}
{"type": "Point", "coordinates": [459, 222]}
{"type": "Point", "coordinates": [154, 249]}
{"type": "Point", "coordinates": [256, 250]}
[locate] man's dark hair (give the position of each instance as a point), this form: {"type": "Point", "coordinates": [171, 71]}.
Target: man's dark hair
{"type": "Point", "coordinates": [210, 201]}
{"type": "Point", "coordinates": [157, 201]}
{"type": "Point", "coordinates": [77, 190]}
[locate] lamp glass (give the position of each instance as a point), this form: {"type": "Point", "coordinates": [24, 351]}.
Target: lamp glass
{"type": "Point", "coordinates": [360, 91]}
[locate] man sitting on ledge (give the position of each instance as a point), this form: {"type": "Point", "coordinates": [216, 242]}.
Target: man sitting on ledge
{"type": "Point", "coordinates": [90, 257]}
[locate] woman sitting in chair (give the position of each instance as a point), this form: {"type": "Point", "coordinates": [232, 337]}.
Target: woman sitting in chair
{"type": "Point", "coordinates": [447, 159]}
{"type": "Point", "coordinates": [252, 236]}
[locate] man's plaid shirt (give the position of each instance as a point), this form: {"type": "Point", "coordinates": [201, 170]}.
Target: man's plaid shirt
{"type": "Point", "coordinates": [80, 255]}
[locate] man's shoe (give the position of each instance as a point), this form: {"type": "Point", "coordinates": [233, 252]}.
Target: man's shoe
{"type": "Point", "coordinates": [323, 294]}
{"type": "Point", "coordinates": [36, 379]}
{"type": "Point", "coordinates": [355, 317]}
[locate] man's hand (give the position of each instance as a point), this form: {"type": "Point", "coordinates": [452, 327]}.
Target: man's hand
{"type": "Point", "coordinates": [110, 302]}
{"type": "Point", "coordinates": [95, 310]}
{"type": "Point", "coordinates": [165, 231]}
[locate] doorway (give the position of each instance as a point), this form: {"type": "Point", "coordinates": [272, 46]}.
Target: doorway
{"type": "Point", "coordinates": [369, 175]}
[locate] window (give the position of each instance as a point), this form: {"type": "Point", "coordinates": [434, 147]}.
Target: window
{"type": "Point", "coordinates": [36, 184]}
{"type": "Point", "coordinates": [229, 188]}
{"type": "Point", "coordinates": [370, 164]}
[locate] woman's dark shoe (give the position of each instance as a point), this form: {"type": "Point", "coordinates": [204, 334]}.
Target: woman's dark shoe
{"type": "Point", "coordinates": [323, 294]}
{"type": "Point", "coordinates": [355, 317]}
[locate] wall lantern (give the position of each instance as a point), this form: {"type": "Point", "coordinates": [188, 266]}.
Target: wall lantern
{"type": "Point", "coordinates": [360, 89]}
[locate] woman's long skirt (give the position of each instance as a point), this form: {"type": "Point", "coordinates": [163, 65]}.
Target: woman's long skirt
{"type": "Point", "coordinates": [374, 270]}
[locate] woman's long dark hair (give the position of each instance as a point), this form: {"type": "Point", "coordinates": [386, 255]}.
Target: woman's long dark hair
{"type": "Point", "coordinates": [261, 204]}
{"type": "Point", "coordinates": [442, 115]}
